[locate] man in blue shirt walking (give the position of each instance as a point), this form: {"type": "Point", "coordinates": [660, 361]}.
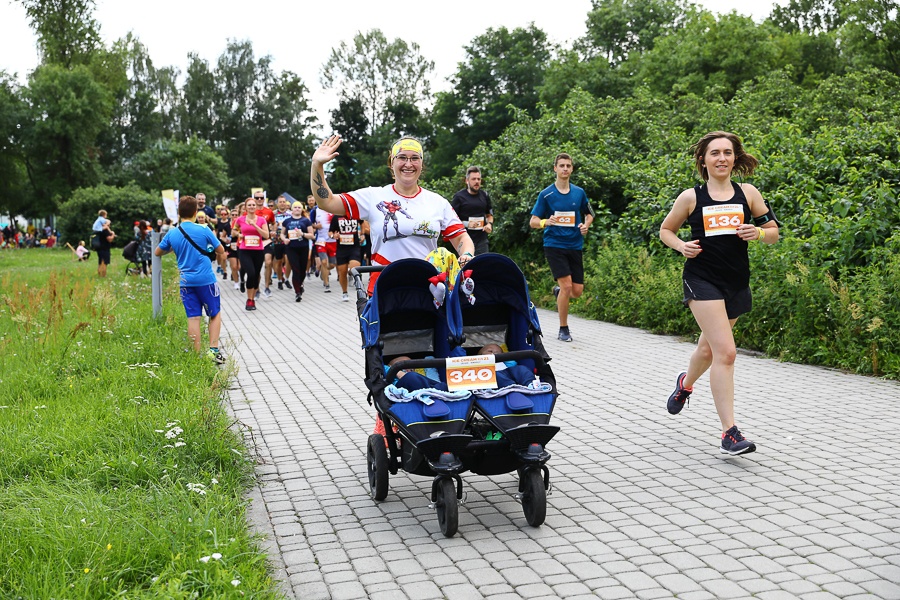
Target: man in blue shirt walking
{"type": "Point", "coordinates": [195, 246]}
{"type": "Point", "coordinates": [564, 213]}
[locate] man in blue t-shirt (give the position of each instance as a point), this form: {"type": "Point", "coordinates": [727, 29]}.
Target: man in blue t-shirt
{"type": "Point", "coordinates": [564, 213]}
{"type": "Point", "coordinates": [194, 245]}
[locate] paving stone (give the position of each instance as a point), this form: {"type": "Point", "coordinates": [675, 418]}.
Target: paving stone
{"type": "Point", "coordinates": [816, 521]}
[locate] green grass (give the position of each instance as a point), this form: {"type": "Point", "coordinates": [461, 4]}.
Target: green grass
{"type": "Point", "coordinates": [120, 471]}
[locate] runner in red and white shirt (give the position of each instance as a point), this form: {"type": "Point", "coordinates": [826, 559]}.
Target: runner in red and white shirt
{"type": "Point", "coordinates": [406, 221]}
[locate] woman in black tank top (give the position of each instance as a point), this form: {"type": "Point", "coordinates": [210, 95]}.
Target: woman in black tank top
{"type": "Point", "coordinates": [724, 218]}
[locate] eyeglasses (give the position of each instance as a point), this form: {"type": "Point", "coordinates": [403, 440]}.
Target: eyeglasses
{"type": "Point", "coordinates": [415, 159]}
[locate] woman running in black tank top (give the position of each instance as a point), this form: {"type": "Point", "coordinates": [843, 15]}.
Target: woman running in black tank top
{"type": "Point", "coordinates": [724, 217]}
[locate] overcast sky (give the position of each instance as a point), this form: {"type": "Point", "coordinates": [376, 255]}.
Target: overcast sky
{"type": "Point", "coordinates": [300, 35]}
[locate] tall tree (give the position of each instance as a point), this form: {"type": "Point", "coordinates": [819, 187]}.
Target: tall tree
{"type": "Point", "coordinates": [616, 28]}
{"type": "Point", "coordinates": [263, 122]}
{"type": "Point", "coordinates": [379, 73]}
{"type": "Point", "coordinates": [871, 33]}
{"type": "Point", "coordinates": [66, 30]}
{"type": "Point", "coordinates": [67, 111]}
{"type": "Point", "coordinates": [691, 60]}
{"type": "Point", "coordinates": [808, 16]}
{"type": "Point", "coordinates": [198, 102]}
{"type": "Point", "coordinates": [14, 196]}
{"type": "Point", "coordinates": [503, 68]}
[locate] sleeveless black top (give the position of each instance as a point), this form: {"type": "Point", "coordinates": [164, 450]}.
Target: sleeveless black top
{"type": "Point", "coordinates": [724, 261]}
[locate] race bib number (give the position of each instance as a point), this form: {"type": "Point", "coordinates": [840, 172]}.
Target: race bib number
{"type": "Point", "coordinates": [471, 373]}
{"type": "Point", "coordinates": [476, 223]}
{"type": "Point", "coordinates": [565, 218]}
{"type": "Point", "coordinates": [233, 245]}
{"type": "Point", "coordinates": [346, 239]}
{"type": "Point", "coordinates": [251, 240]}
{"type": "Point", "coordinates": [722, 219]}
{"type": "Point", "coordinates": [294, 234]}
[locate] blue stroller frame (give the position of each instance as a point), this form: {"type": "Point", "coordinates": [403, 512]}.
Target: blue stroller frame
{"type": "Point", "coordinates": [444, 439]}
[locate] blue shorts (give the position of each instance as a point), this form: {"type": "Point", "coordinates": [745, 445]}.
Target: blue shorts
{"type": "Point", "coordinates": [200, 298]}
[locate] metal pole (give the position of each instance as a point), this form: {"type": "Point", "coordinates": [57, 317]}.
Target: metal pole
{"type": "Point", "coordinates": [156, 276]}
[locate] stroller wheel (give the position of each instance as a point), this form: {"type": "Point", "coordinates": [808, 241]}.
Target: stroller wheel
{"type": "Point", "coordinates": [534, 497]}
{"type": "Point", "coordinates": [447, 507]}
{"type": "Point", "coordinates": [377, 458]}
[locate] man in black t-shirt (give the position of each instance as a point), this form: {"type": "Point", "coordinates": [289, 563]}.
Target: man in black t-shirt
{"type": "Point", "coordinates": [473, 207]}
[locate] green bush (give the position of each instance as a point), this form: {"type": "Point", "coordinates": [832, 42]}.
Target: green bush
{"type": "Point", "coordinates": [124, 206]}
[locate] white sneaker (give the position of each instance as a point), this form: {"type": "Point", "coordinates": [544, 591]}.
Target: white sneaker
{"type": "Point", "coordinates": [267, 293]}
{"type": "Point", "coordinates": [345, 297]}
{"type": "Point", "coordinates": [237, 286]}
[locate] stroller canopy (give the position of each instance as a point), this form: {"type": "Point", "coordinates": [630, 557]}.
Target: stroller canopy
{"type": "Point", "coordinates": [402, 300]}
{"type": "Point", "coordinates": [498, 280]}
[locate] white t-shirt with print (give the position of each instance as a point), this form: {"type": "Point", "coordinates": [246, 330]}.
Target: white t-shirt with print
{"type": "Point", "coordinates": [324, 219]}
{"type": "Point", "coordinates": [401, 226]}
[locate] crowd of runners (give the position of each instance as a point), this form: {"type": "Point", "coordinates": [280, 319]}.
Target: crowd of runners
{"type": "Point", "coordinates": [290, 246]}
{"type": "Point", "coordinates": [295, 245]}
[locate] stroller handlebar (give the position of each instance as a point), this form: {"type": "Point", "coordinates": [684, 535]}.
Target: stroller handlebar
{"type": "Point", "coordinates": [425, 363]}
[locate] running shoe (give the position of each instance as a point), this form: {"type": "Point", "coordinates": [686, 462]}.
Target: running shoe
{"type": "Point", "coordinates": [317, 273]}
{"type": "Point", "coordinates": [327, 289]}
{"type": "Point", "coordinates": [218, 269]}
{"type": "Point", "coordinates": [224, 275]}
{"type": "Point", "coordinates": [680, 397]}
{"type": "Point", "coordinates": [733, 443]}
{"type": "Point", "coordinates": [556, 291]}
{"type": "Point", "coordinates": [564, 334]}
{"type": "Point", "coordinates": [297, 297]}
{"type": "Point", "coordinates": [243, 286]}
{"type": "Point", "coordinates": [217, 357]}
{"type": "Point", "coordinates": [345, 297]}
{"type": "Point", "coordinates": [251, 304]}
{"type": "Point", "coordinates": [237, 286]}
{"type": "Point", "coordinates": [309, 274]}
{"type": "Point", "coordinates": [287, 284]}
{"type": "Point", "coordinates": [267, 293]}
{"type": "Point", "coordinates": [280, 285]}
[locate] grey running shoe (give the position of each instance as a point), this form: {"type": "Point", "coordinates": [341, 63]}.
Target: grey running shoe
{"type": "Point", "coordinates": [564, 334]}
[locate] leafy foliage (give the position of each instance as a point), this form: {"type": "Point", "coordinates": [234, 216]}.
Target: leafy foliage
{"type": "Point", "coordinates": [378, 73]}
{"type": "Point", "coordinates": [124, 206]}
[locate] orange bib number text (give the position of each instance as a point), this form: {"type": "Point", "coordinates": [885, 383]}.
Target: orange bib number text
{"type": "Point", "coordinates": [471, 373]}
{"type": "Point", "coordinates": [722, 219]}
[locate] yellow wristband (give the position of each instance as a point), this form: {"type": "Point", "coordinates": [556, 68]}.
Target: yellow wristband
{"type": "Point", "coordinates": [543, 223]}
{"type": "Point", "coordinates": [762, 233]}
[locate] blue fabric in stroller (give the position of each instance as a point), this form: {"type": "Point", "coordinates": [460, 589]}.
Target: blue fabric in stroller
{"type": "Point", "coordinates": [490, 304]}
{"type": "Point", "coordinates": [401, 319]}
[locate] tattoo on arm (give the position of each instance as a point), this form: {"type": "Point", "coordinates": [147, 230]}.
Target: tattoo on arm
{"type": "Point", "coordinates": [321, 191]}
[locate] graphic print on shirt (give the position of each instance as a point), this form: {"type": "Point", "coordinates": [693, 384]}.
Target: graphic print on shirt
{"type": "Point", "coordinates": [390, 208]}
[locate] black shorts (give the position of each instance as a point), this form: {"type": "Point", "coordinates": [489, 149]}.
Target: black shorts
{"type": "Point", "coordinates": [278, 251]}
{"type": "Point", "coordinates": [347, 253]}
{"type": "Point", "coordinates": [229, 253]}
{"type": "Point", "coordinates": [737, 302]}
{"type": "Point", "coordinates": [564, 262]}
{"type": "Point", "coordinates": [103, 256]}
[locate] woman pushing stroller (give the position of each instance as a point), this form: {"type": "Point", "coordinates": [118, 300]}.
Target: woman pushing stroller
{"type": "Point", "coordinates": [406, 220]}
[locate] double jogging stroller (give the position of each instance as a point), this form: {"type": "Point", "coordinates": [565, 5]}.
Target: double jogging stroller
{"type": "Point", "coordinates": [440, 431]}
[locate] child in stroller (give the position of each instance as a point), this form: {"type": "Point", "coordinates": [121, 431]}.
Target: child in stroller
{"type": "Point", "coordinates": [434, 429]}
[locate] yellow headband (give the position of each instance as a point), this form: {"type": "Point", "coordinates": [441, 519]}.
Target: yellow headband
{"type": "Point", "coordinates": [406, 144]}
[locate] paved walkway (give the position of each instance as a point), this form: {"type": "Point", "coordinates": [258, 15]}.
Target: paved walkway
{"type": "Point", "coordinates": [643, 504]}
